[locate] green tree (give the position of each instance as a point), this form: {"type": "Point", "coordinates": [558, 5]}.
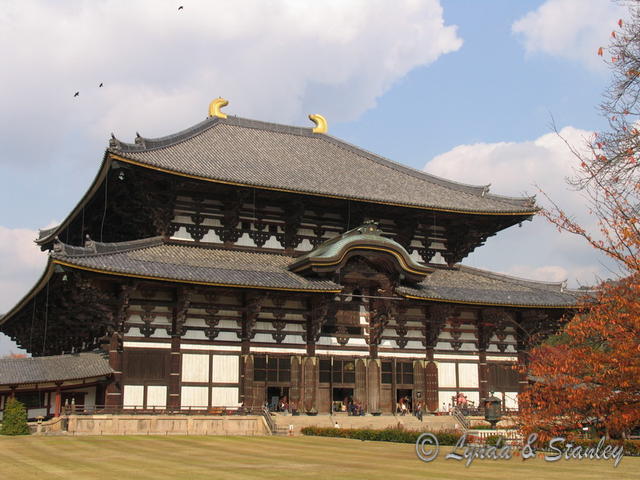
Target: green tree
{"type": "Point", "coordinates": [14, 421]}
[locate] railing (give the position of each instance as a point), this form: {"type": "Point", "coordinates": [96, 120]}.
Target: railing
{"type": "Point", "coordinates": [266, 414]}
{"type": "Point", "coordinates": [511, 436]}
{"type": "Point", "coordinates": [459, 416]}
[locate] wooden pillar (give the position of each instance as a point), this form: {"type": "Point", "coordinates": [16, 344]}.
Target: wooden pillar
{"type": "Point", "coordinates": [113, 396]}
{"type": "Point", "coordinates": [373, 386]}
{"type": "Point", "coordinates": [523, 360]}
{"type": "Point", "coordinates": [294, 390]}
{"type": "Point", "coordinates": [246, 382]}
{"type": "Point", "coordinates": [360, 394]}
{"type": "Point", "coordinates": [418, 382]}
{"type": "Point", "coordinates": [310, 376]}
{"type": "Point", "coordinates": [58, 402]}
{"type": "Point", "coordinates": [483, 374]}
{"type": "Point", "coordinates": [175, 369]}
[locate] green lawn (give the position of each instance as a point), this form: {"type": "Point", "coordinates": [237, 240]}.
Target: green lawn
{"type": "Point", "coordinates": [282, 458]}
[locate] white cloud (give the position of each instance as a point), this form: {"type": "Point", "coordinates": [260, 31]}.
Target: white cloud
{"type": "Point", "coordinates": [570, 29]}
{"type": "Point", "coordinates": [537, 250]}
{"type": "Point", "coordinates": [277, 60]}
{"type": "Point", "coordinates": [22, 264]}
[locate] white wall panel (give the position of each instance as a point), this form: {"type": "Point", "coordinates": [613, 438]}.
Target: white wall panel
{"type": "Point", "coordinates": [227, 337]}
{"type": "Point", "coordinates": [195, 367]}
{"type": "Point", "coordinates": [445, 397]}
{"type": "Point", "coordinates": [224, 397]}
{"type": "Point", "coordinates": [472, 397]}
{"type": "Point", "coordinates": [89, 398]}
{"type": "Point", "coordinates": [296, 339]}
{"type": "Point", "coordinates": [194, 396]}
{"type": "Point", "coordinates": [156, 396]}
{"type": "Point", "coordinates": [468, 375]}
{"type": "Point", "coordinates": [133, 396]}
{"type": "Point", "coordinates": [225, 368]}
{"type": "Point", "coordinates": [263, 338]}
{"type": "Point", "coordinates": [511, 399]}
{"type": "Point", "coordinates": [194, 335]}
{"type": "Point", "coordinates": [447, 374]}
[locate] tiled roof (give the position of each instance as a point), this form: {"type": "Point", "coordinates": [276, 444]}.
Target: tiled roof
{"type": "Point", "coordinates": [19, 371]}
{"type": "Point", "coordinates": [153, 258]}
{"type": "Point", "coordinates": [248, 152]}
{"type": "Point", "coordinates": [471, 285]}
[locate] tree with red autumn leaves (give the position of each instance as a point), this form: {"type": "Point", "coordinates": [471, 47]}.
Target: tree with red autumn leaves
{"type": "Point", "coordinates": [589, 373]}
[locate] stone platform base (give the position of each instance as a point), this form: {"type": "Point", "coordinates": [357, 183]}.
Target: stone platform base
{"type": "Point", "coordinates": [156, 425]}
{"type": "Point", "coordinates": [293, 424]}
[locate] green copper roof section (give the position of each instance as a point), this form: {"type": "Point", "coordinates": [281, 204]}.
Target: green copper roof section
{"type": "Point", "coordinates": [366, 237]}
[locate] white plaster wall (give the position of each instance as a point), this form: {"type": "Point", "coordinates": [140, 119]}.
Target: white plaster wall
{"type": "Point", "coordinates": [228, 336]}
{"type": "Point", "coordinates": [224, 396]}
{"type": "Point", "coordinates": [246, 241]}
{"type": "Point", "coordinates": [195, 367]}
{"type": "Point", "coordinates": [133, 396]}
{"type": "Point", "coordinates": [194, 335]}
{"type": "Point", "coordinates": [225, 368]}
{"type": "Point", "coordinates": [447, 374]}
{"type": "Point", "coordinates": [272, 243]}
{"type": "Point", "coordinates": [444, 397]}
{"type": "Point", "coordinates": [156, 396]}
{"type": "Point", "coordinates": [263, 338]}
{"type": "Point", "coordinates": [472, 397]}
{"type": "Point", "coordinates": [297, 339]}
{"type": "Point", "coordinates": [305, 245]}
{"type": "Point", "coordinates": [468, 375]}
{"type": "Point", "coordinates": [194, 396]}
{"type": "Point", "coordinates": [511, 399]}
{"type": "Point", "coordinates": [89, 398]}
{"type": "Point", "coordinates": [182, 234]}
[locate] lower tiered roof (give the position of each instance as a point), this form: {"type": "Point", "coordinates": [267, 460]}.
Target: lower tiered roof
{"type": "Point", "coordinates": [166, 260]}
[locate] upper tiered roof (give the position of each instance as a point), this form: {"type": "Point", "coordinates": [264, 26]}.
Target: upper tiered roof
{"type": "Point", "coordinates": [247, 152]}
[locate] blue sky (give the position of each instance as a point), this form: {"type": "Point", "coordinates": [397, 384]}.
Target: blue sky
{"type": "Point", "coordinates": [466, 83]}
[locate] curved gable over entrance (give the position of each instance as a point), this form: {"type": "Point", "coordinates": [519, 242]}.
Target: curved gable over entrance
{"type": "Point", "coordinates": [367, 242]}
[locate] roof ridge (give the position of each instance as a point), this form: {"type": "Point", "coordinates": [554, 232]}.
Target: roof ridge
{"type": "Point", "coordinates": [482, 190]}
{"type": "Point", "coordinates": [142, 144]}
{"type": "Point", "coordinates": [542, 283]}
{"type": "Point", "coordinates": [93, 248]}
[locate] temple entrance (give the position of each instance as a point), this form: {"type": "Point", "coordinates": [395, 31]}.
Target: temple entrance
{"type": "Point", "coordinates": [278, 398]}
{"type": "Point", "coordinates": [341, 397]}
{"type": "Point", "coordinates": [404, 401]}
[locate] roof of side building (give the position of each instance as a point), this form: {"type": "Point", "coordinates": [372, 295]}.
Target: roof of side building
{"type": "Point", "coordinates": [56, 368]}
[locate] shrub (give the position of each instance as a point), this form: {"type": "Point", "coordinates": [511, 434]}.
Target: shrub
{"type": "Point", "coordinates": [631, 447]}
{"type": "Point", "coordinates": [14, 421]}
{"type": "Point", "coordinates": [397, 435]}
{"type": "Point", "coordinates": [492, 440]}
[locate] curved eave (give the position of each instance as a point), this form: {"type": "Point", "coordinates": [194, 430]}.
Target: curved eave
{"type": "Point", "coordinates": [93, 188]}
{"type": "Point", "coordinates": [405, 263]}
{"type": "Point", "coordinates": [37, 288]}
{"type": "Point", "coordinates": [489, 304]}
{"type": "Point", "coordinates": [92, 379]}
{"type": "Point", "coordinates": [523, 213]}
{"type": "Point", "coordinates": [192, 282]}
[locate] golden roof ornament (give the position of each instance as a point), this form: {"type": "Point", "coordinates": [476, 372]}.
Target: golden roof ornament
{"type": "Point", "coordinates": [321, 123]}
{"type": "Point", "coordinates": [215, 107]}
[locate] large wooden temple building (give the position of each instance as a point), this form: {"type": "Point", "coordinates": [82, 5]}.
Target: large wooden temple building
{"type": "Point", "coordinates": [239, 261]}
